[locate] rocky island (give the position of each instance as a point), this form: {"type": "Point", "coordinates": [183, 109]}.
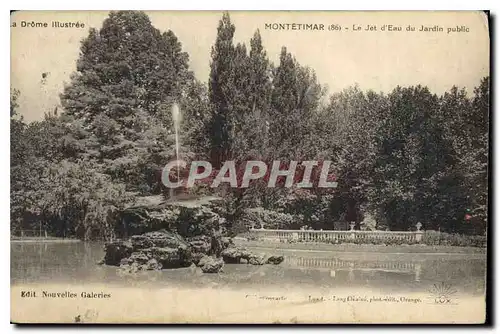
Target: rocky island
{"type": "Point", "coordinates": [179, 234]}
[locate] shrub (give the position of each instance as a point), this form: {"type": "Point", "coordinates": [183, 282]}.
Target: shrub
{"type": "Point", "coordinates": [436, 238]}
{"type": "Point", "coordinates": [270, 219]}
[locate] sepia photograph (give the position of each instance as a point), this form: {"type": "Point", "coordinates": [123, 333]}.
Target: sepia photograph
{"type": "Point", "coordinates": [249, 167]}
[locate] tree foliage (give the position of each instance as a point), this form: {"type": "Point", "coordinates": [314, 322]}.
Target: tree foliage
{"type": "Point", "coordinates": [399, 158]}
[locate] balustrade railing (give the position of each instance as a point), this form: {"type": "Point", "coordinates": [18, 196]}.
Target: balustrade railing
{"type": "Point", "coordinates": [331, 236]}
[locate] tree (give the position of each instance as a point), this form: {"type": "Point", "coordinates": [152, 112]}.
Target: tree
{"type": "Point", "coordinates": [467, 130]}
{"type": "Point", "coordinates": [14, 97]}
{"type": "Point", "coordinates": [196, 112]}
{"type": "Point", "coordinates": [347, 130]}
{"type": "Point", "coordinates": [412, 180]}
{"type": "Point", "coordinates": [128, 75]}
{"type": "Point", "coordinates": [75, 170]}
{"type": "Point", "coordinates": [254, 91]}
{"type": "Point", "coordinates": [17, 126]}
{"type": "Point", "coordinates": [259, 75]}
{"type": "Point", "coordinates": [220, 91]}
{"type": "Point", "coordinates": [478, 172]}
{"type": "Point", "coordinates": [126, 66]}
{"type": "Point", "coordinates": [294, 100]}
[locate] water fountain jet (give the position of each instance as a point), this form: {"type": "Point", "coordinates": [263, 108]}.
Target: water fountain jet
{"type": "Point", "coordinates": [176, 118]}
{"type": "Point", "coordinates": [184, 199]}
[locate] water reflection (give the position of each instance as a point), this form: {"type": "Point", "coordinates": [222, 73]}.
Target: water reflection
{"type": "Point", "coordinates": [77, 263]}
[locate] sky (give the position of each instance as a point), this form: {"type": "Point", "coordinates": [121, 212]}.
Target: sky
{"type": "Point", "coordinates": [377, 60]}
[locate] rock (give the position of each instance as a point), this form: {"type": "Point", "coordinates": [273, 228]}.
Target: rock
{"type": "Point", "coordinates": [227, 242]}
{"type": "Point", "coordinates": [274, 259]}
{"type": "Point", "coordinates": [203, 261]}
{"type": "Point", "coordinates": [150, 251]}
{"type": "Point", "coordinates": [235, 254]}
{"type": "Point", "coordinates": [257, 260]}
{"type": "Point", "coordinates": [199, 227]}
{"type": "Point", "coordinates": [153, 264]}
{"type": "Point", "coordinates": [129, 268]}
{"type": "Point", "coordinates": [157, 258]}
{"type": "Point", "coordinates": [231, 255]}
{"type": "Point", "coordinates": [170, 257]}
{"type": "Point", "coordinates": [200, 246]}
{"type": "Point", "coordinates": [161, 238]}
{"type": "Point", "coordinates": [164, 249]}
{"type": "Point", "coordinates": [139, 261]}
{"type": "Point", "coordinates": [116, 251]}
{"type": "Point", "coordinates": [241, 255]}
{"type": "Point", "coordinates": [211, 265]}
{"type": "Point", "coordinates": [196, 257]}
{"type": "Point", "coordinates": [125, 262]}
{"type": "Point", "coordinates": [139, 258]}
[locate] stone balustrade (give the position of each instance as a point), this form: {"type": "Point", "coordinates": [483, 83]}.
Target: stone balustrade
{"type": "Point", "coordinates": [331, 236]}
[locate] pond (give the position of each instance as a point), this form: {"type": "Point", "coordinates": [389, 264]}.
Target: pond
{"type": "Point", "coordinates": [76, 263]}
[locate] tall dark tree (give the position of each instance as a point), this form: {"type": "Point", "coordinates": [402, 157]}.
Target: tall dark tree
{"type": "Point", "coordinates": [284, 98]}
{"type": "Point", "coordinates": [125, 66]}
{"type": "Point", "coordinates": [259, 75]}
{"type": "Point", "coordinates": [221, 91]}
{"type": "Point", "coordinates": [413, 180]}
{"type": "Point", "coordinates": [479, 170]}
{"type": "Point", "coordinates": [258, 93]}
{"type": "Point", "coordinates": [240, 102]}
{"type": "Point", "coordinates": [128, 75]}
{"type": "Point", "coordinates": [351, 117]}
{"type": "Point", "coordinates": [295, 98]}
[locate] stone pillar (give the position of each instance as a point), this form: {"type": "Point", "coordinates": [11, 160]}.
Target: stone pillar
{"type": "Point", "coordinates": [353, 235]}
{"type": "Point", "coordinates": [418, 233]}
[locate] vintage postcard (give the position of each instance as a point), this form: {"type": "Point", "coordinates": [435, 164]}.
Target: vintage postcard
{"type": "Point", "coordinates": [255, 167]}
